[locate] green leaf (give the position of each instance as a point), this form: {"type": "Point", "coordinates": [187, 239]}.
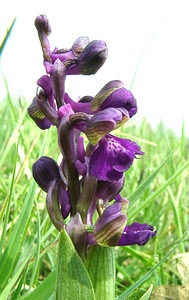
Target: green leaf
{"type": "Point", "coordinates": [73, 281]}
{"type": "Point", "coordinates": [101, 268]}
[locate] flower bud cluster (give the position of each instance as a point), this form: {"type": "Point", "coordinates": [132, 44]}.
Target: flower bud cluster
{"type": "Point", "coordinates": [83, 190]}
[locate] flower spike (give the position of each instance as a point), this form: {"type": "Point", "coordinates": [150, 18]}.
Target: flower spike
{"type": "Point", "coordinates": [84, 190]}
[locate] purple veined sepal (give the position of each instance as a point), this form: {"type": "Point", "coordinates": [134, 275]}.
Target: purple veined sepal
{"type": "Point", "coordinates": [136, 233]}
{"type": "Point", "coordinates": [114, 94]}
{"type": "Point", "coordinates": [92, 57]}
{"type": "Point", "coordinates": [110, 225]}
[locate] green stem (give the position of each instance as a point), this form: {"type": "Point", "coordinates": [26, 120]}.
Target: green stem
{"type": "Point", "coordinates": [101, 267]}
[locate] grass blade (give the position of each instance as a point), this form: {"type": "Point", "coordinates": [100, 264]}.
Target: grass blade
{"type": "Point", "coordinates": [7, 35]}
{"type": "Point", "coordinates": [10, 256]}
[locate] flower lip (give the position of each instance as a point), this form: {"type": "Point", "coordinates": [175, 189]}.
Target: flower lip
{"type": "Point", "coordinates": [112, 157]}
{"type": "Point", "coordinates": [136, 233]}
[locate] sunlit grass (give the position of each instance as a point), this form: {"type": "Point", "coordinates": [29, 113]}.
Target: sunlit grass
{"type": "Point", "coordinates": [156, 185]}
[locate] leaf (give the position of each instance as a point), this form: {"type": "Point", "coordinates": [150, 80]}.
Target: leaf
{"type": "Point", "coordinates": [101, 268]}
{"type": "Point", "coordinates": [73, 281]}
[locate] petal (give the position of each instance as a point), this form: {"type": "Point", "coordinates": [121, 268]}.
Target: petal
{"type": "Point", "coordinates": [45, 84]}
{"type": "Point", "coordinates": [102, 123]}
{"type": "Point", "coordinates": [80, 44]}
{"type": "Point", "coordinates": [64, 201]}
{"type": "Point", "coordinates": [38, 116]}
{"type": "Point", "coordinates": [78, 106]}
{"type": "Point", "coordinates": [57, 78]}
{"type": "Point", "coordinates": [107, 191]}
{"type": "Point", "coordinates": [62, 55]}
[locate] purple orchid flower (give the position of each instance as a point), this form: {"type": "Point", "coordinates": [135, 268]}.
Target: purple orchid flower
{"type": "Point", "coordinates": [110, 229]}
{"type": "Point", "coordinates": [112, 157]}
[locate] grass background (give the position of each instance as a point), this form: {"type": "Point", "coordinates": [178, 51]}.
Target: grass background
{"type": "Point", "coordinates": [157, 187]}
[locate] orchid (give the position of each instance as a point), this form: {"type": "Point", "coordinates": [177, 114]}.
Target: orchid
{"type": "Point", "coordinates": [84, 189]}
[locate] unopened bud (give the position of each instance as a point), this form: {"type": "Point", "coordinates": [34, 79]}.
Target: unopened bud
{"type": "Point", "coordinates": [45, 169]}
{"type": "Point", "coordinates": [43, 27]}
{"type": "Point", "coordinates": [42, 24]}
